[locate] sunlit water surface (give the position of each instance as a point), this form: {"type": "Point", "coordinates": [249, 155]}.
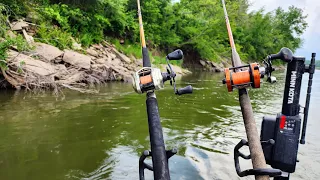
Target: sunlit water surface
{"type": "Point", "coordinates": [102, 136]}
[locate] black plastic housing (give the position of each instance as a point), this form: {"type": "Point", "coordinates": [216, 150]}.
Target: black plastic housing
{"type": "Point", "coordinates": [285, 128]}
{"type": "Point", "coordinates": [295, 70]}
{"type": "Point", "coordinates": [267, 132]}
{"type": "Point", "coordinates": [283, 154]}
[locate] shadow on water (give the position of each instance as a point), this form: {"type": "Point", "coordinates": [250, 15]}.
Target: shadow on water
{"type": "Point", "coordinates": [102, 136]}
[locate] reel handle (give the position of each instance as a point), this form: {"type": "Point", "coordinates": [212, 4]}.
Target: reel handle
{"type": "Point", "coordinates": [185, 90]}
{"type": "Point", "coordinates": [175, 55]}
{"type": "Point", "coordinates": [285, 54]}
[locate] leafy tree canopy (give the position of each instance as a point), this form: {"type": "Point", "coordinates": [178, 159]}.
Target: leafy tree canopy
{"type": "Point", "coordinates": [196, 26]}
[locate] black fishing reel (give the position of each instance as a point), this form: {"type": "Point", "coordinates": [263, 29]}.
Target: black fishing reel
{"type": "Point", "coordinates": [151, 79]}
{"type": "Point", "coordinates": [285, 55]}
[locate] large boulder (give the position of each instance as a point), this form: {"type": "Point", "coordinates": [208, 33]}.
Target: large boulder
{"type": "Point", "coordinates": [92, 52]}
{"type": "Point", "coordinates": [48, 52]}
{"type": "Point", "coordinates": [216, 67]}
{"type": "Point", "coordinates": [113, 62]}
{"type": "Point", "coordinates": [101, 60]}
{"type": "Point", "coordinates": [121, 56]}
{"type": "Point", "coordinates": [202, 62]}
{"type": "Point", "coordinates": [77, 59]}
{"type": "Point", "coordinates": [30, 64]}
{"type": "Point", "coordinates": [19, 25]}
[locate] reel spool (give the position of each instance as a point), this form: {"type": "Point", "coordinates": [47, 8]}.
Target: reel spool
{"type": "Point", "coordinates": [150, 79]}
{"type": "Point", "coordinates": [147, 79]}
{"type": "Point", "coordinates": [242, 79]}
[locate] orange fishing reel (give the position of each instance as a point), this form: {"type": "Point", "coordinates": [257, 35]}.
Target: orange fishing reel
{"type": "Point", "coordinates": [235, 77]}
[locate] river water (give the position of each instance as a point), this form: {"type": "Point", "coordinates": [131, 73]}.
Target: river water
{"type": "Point", "coordinates": [102, 136]}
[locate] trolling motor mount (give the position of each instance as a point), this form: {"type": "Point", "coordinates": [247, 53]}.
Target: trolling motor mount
{"type": "Point", "coordinates": [280, 135]}
{"type": "Point", "coordinates": [235, 77]}
{"type": "Point", "coordinates": [143, 165]}
{"type": "Point", "coordinates": [149, 79]}
{"type": "Point", "coordinates": [257, 172]}
{"type": "Point", "coordinates": [285, 128]}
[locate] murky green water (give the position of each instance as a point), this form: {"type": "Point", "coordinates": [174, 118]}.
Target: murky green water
{"type": "Point", "coordinates": [102, 136]}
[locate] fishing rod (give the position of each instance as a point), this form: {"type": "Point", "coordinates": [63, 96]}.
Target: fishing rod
{"type": "Point", "coordinates": [237, 77]}
{"type": "Point", "coordinates": [279, 135]}
{"type": "Point", "coordinates": [148, 80]}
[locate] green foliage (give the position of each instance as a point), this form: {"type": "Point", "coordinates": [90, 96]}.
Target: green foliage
{"type": "Point", "coordinates": [54, 36]}
{"type": "Point", "coordinates": [157, 60]}
{"type": "Point", "coordinates": [91, 26]}
{"type": "Point", "coordinates": [268, 32]}
{"type": "Point", "coordinates": [4, 15]}
{"type": "Point", "coordinates": [4, 46]}
{"type": "Point", "coordinates": [196, 26]}
{"type": "Point", "coordinates": [18, 42]}
{"type": "Point", "coordinates": [129, 49]}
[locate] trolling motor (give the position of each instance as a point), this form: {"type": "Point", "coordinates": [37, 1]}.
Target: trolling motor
{"type": "Point", "coordinates": [150, 79]}
{"type": "Point", "coordinates": [285, 128]}
{"type": "Point", "coordinates": [280, 135]}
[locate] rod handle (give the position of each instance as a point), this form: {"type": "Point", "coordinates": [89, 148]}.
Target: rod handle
{"type": "Point", "coordinates": [185, 90]}
{"type": "Point", "coordinates": [285, 54]}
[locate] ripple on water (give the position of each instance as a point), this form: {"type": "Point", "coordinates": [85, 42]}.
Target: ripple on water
{"type": "Point", "coordinates": [102, 136]}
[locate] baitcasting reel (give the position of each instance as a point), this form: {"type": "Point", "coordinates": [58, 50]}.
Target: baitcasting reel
{"type": "Point", "coordinates": [149, 79]}
{"type": "Point", "coordinates": [235, 77]}
{"type": "Point", "coordinates": [251, 77]}
{"type": "Point", "coordinates": [285, 55]}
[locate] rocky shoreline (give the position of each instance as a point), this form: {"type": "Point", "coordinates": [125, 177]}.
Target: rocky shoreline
{"type": "Point", "coordinates": [47, 67]}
